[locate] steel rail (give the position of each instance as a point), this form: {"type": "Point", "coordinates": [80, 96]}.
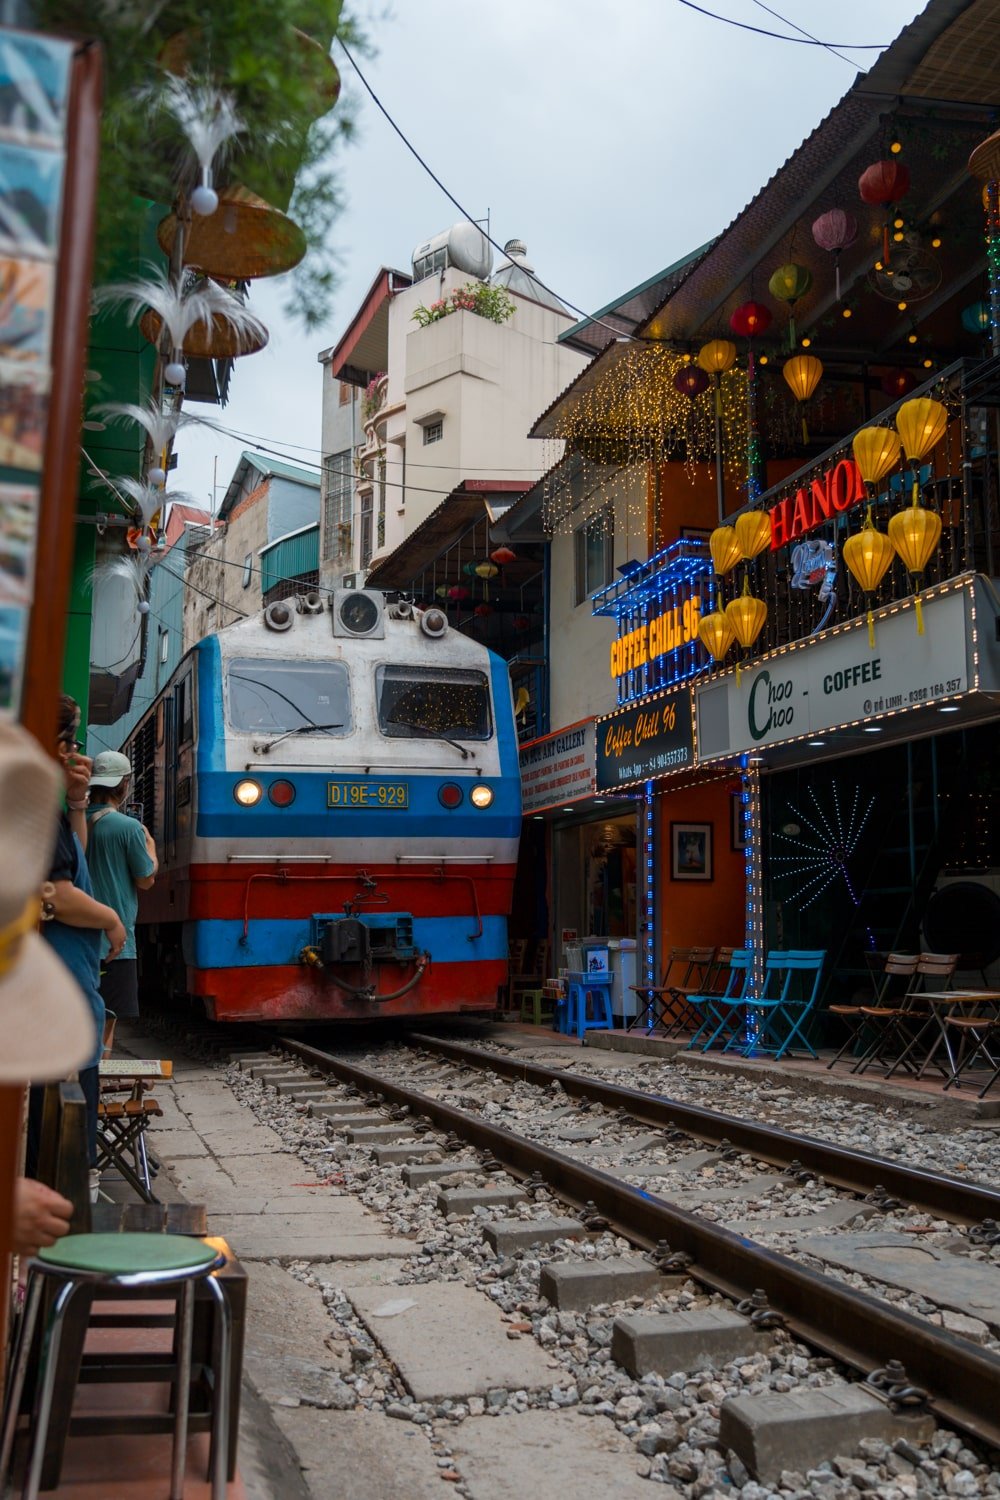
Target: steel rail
{"type": "Point", "coordinates": [853, 1327]}
{"type": "Point", "coordinates": [952, 1198]}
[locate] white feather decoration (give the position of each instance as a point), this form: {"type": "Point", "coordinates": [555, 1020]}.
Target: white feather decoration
{"type": "Point", "coordinates": [149, 498]}
{"type": "Point", "coordinates": [206, 115]}
{"type": "Point", "coordinates": [133, 567]}
{"type": "Point", "coordinates": [198, 301]}
{"type": "Point", "coordinates": [161, 426]}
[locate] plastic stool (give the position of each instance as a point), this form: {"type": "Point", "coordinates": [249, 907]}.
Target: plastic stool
{"type": "Point", "coordinates": [533, 1004]}
{"type": "Point", "coordinates": [100, 1262]}
{"type": "Point", "coordinates": [584, 991]}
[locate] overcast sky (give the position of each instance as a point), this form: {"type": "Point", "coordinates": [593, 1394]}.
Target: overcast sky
{"type": "Point", "coordinates": [611, 138]}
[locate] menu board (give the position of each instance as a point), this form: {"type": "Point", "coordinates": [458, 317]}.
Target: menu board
{"type": "Point", "coordinates": [34, 87]}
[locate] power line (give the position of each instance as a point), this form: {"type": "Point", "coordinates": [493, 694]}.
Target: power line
{"type": "Point", "coordinates": [804, 41]}
{"type": "Point", "coordinates": [590, 317]}
{"type": "Point", "coordinates": [830, 46]}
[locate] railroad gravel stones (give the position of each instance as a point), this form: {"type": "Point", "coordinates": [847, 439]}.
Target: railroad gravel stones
{"type": "Point", "coordinates": [689, 1341]}
{"type": "Point", "coordinates": [780, 1433]}
{"type": "Point", "coordinates": [581, 1284]}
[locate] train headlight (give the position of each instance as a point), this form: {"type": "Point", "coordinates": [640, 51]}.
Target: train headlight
{"type": "Point", "coordinates": [248, 793]}
{"type": "Point", "coordinates": [450, 794]}
{"type": "Point", "coordinates": [281, 793]}
{"type": "Point", "coordinates": [481, 795]}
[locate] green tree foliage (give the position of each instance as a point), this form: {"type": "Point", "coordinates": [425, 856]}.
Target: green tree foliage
{"type": "Point", "coordinates": [273, 57]}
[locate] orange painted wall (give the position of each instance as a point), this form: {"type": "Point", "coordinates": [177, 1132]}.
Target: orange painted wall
{"type": "Point", "coordinates": [687, 502]}
{"type": "Point", "coordinates": [701, 912]}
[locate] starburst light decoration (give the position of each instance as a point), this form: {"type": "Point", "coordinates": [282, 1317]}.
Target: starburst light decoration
{"type": "Point", "coordinates": [825, 845]}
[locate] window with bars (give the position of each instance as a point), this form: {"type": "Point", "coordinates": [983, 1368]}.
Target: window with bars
{"type": "Point", "coordinates": [338, 483]}
{"type": "Point", "coordinates": [381, 502]}
{"type": "Point", "coordinates": [433, 432]}
{"type": "Point", "coordinates": [594, 554]}
{"type": "Point", "coordinates": [367, 529]}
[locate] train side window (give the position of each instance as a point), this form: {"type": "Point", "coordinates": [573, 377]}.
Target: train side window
{"type": "Point", "coordinates": [417, 702]}
{"type": "Point", "coordinates": [184, 711]}
{"type": "Point", "coordinates": [279, 697]}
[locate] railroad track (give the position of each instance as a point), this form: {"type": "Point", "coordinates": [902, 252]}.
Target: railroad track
{"type": "Point", "coordinates": [860, 1330]}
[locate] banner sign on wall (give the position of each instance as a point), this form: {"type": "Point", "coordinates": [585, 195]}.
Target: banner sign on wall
{"type": "Point", "coordinates": [558, 768]}
{"type": "Point", "coordinates": [644, 742]}
{"type": "Point", "coordinates": [838, 680]}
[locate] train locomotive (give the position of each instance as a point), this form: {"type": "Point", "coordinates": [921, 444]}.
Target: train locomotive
{"type": "Point", "coordinates": [334, 791]}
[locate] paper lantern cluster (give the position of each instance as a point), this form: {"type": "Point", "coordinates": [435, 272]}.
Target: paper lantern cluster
{"type": "Point", "coordinates": [914, 532]}
{"type": "Point", "coordinates": [742, 619]}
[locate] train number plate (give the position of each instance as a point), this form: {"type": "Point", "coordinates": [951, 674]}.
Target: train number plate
{"type": "Point", "coordinates": [385, 795]}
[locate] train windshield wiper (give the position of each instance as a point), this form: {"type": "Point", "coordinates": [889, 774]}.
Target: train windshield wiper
{"type": "Point", "coordinates": [433, 734]}
{"type": "Point", "coordinates": [267, 746]}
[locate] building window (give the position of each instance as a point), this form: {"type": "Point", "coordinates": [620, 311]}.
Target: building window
{"type": "Point", "coordinates": [346, 393]}
{"type": "Point", "coordinates": [367, 533]}
{"type": "Point", "coordinates": [338, 482]}
{"type": "Point", "coordinates": [433, 432]}
{"type": "Point", "coordinates": [164, 645]}
{"type": "Point", "coordinates": [248, 570]}
{"type": "Point", "coordinates": [594, 554]}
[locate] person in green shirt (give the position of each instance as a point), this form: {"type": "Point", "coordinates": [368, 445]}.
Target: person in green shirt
{"type": "Point", "coordinates": [122, 860]}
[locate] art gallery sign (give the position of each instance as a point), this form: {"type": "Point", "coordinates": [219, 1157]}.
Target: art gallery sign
{"type": "Point", "coordinates": [558, 768]}
{"type": "Point", "coordinates": [836, 680]}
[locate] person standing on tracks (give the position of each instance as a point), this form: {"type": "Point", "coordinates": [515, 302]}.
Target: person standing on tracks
{"type": "Point", "coordinates": [122, 859]}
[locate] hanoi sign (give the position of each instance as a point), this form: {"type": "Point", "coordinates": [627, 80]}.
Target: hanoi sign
{"type": "Point", "coordinates": [834, 490]}
{"type": "Point", "coordinates": [642, 743]}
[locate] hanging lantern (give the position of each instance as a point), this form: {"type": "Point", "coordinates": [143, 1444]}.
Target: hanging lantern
{"type": "Point", "coordinates": [457, 593]}
{"type": "Point", "coordinates": [725, 549]}
{"type": "Point", "coordinates": [502, 556]}
{"type": "Point", "coordinates": [867, 556]}
{"type": "Point", "coordinates": [898, 383]}
{"type": "Point", "coordinates": [746, 614]}
{"type": "Point", "coordinates": [753, 532]}
{"type": "Point", "coordinates": [521, 624]}
{"type": "Point", "coordinates": [803, 373]}
{"type": "Point", "coordinates": [441, 591]}
{"type": "Point", "coordinates": [915, 532]}
{"type": "Point", "coordinates": [691, 381]}
{"type": "Point", "coordinates": [876, 451]}
{"type": "Point", "coordinates": [751, 319]}
{"type": "Point", "coordinates": [835, 231]}
{"type": "Point", "coordinates": [486, 570]}
{"type": "Point", "coordinates": [469, 569]}
{"type": "Point", "coordinates": [884, 182]}
{"type": "Point", "coordinates": [717, 356]}
{"type": "Point", "coordinates": [921, 424]}
{"type": "Point", "coordinates": [715, 632]}
{"type": "Point", "coordinates": [482, 610]}
{"type": "Point", "coordinates": [788, 283]}
{"type": "Point", "coordinates": [976, 317]}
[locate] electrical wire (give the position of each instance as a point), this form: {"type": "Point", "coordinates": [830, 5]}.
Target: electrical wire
{"type": "Point", "coordinates": [804, 41]}
{"type": "Point", "coordinates": [830, 46]}
{"type": "Point", "coordinates": [590, 317]}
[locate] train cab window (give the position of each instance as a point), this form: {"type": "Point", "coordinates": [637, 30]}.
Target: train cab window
{"type": "Point", "coordinates": [185, 710]}
{"type": "Point", "coordinates": [280, 697]}
{"type": "Point", "coordinates": [421, 702]}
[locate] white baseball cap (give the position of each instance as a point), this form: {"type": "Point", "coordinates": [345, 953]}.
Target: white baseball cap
{"type": "Point", "coordinates": [110, 768]}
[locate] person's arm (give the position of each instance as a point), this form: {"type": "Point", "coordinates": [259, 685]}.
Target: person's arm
{"type": "Point", "coordinates": [77, 909]}
{"type": "Point", "coordinates": [78, 769]}
{"type": "Point", "coordinates": [142, 861]}
{"type": "Point", "coordinates": [41, 1216]}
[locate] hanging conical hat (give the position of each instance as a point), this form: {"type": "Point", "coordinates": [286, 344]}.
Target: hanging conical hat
{"type": "Point", "coordinates": [244, 238]}
{"type": "Point", "coordinates": [218, 340]}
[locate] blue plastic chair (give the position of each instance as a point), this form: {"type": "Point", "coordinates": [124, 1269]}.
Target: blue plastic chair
{"type": "Point", "coordinates": [779, 1010]}
{"type": "Point", "coordinates": [721, 1012]}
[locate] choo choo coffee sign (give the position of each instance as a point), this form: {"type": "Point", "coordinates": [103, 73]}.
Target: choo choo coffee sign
{"type": "Point", "coordinates": [638, 744]}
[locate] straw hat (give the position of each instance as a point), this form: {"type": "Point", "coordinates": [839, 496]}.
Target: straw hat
{"type": "Point", "coordinates": [45, 1022]}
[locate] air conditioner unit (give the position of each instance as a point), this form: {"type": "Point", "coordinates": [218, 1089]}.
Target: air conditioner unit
{"type": "Point", "coordinates": [963, 917]}
{"type": "Point", "coordinates": [349, 581]}
{"type": "Point", "coordinates": [359, 613]}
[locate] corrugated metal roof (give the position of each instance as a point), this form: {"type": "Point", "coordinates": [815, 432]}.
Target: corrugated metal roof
{"type": "Point", "coordinates": [289, 557]}
{"type": "Point", "coordinates": [456, 513]}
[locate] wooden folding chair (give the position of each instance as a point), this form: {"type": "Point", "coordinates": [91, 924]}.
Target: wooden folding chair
{"type": "Point", "coordinates": [983, 1032]}
{"type": "Point", "coordinates": [899, 1027]}
{"type": "Point", "coordinates": [897, 965]}
{"type": "Point", "coordinates": [664, 1005]}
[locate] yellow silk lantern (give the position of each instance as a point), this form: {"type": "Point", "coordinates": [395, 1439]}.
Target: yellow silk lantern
{"type": "Point", "coordinates": [867, 555]}
{"type": "Point", "coordinates": [746, 614]}
{"type": "Point", "coordinates": [725, 549]}
{"type": "Point", "coordinates": [876, 451]}
{"type": "Point", "coordinates": [486, 570]}
{"type": "Point", "coordinates": [803, 374]}
{"type": "Point", "coordinates": [753, 532]}
{"type": "Point", "coordinates": [914, 533]}
{"type": "Point", "coordinates": [921, 423]}
{"type": "Point", "coordinates": [717, 356]}
{"type": "Point", "coordinates": [715, 632]}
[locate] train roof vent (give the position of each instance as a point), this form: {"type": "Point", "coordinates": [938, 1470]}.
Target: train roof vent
{"type": "Point", "coordinates": [359, 613]}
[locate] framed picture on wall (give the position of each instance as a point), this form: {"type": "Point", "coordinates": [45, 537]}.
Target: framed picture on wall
{"type": "Point", "coordinates": [691, 851]}
{"type": "Point", "coordinates": [695, 533]}
{"type": "Point", "coordinates": [737, 840]}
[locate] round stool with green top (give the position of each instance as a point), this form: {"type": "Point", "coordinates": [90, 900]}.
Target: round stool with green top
{"type": "Point", "coordinates": [103, 1261]}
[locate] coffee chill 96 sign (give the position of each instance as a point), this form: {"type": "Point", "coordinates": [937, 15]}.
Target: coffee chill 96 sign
{"type": "Point", "coordinates": [639, 744]}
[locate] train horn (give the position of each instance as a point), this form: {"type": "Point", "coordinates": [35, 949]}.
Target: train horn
{"type": "Point", "coordinates": [279, 615]}
{"type": "Point", "coordinates": [434, 622]}
{"type": "Point", "coordinates": [310, 603]}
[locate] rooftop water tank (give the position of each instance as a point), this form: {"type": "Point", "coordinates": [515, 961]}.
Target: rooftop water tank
{"type": "Point", "coordinates": [463, 246]}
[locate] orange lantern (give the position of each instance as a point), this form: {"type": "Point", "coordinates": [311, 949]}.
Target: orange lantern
{"type": "Point", "coordinates": [915, 532]}
{"type": "Point", "coordinates": [876, 451]}
{"type": "Point", "coordinates": [867, 556]}
{"type": "Point", "coordinates": [715, 358]}
{"type": "Point", "coordinates": [725, 549]}
{"type": "Point", "coordinates": [753, 532]}
{"type": "Point", "coordinates": [803, 374]}
{"type": "Point", "coordinates": [715, 632]}
{"type": "Point", "coordinates": [921, 424]}
{"type": "Point", "coordinates": [746, 614]}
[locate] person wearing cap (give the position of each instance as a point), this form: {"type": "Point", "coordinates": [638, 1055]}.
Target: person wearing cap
{"type": "Point", "coordinates": [122, 859]}
{"type": "Point", "coordinates": [47, 1026]}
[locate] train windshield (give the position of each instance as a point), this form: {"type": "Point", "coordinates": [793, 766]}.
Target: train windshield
{"type": "Point", "coordinates": [280, 697]}
{"type": "Point", "coordinates": [421, 702]}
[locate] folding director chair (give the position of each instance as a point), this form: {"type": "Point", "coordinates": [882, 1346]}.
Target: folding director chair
{"type": "Point", "coordinates": [122, 1122]}
{"type": "Point", "coordinates": [722, 1013]}
{"type": "Point", "coordinates": [784, 1004]}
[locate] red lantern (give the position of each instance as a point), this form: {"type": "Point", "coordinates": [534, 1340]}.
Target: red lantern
{"type": "Point", "coordinates": [834, 231]}
{"type": "Point", "coordinates": [750, 319]}
{"type": "Point", "coordinates": [884, 182]}
{"type": "Point", "coordinates": [482, 610]}
{"type": "Point", "coordinates": [502, 556]}
{"type": "Point", "coordinates": [521, 623]}
{"type": "Point", "coordinates": [458, 593]}
{"type": "Point", "coordinates": [898, 383]}
{"type": "Point", "coordinates": [691, 380]}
